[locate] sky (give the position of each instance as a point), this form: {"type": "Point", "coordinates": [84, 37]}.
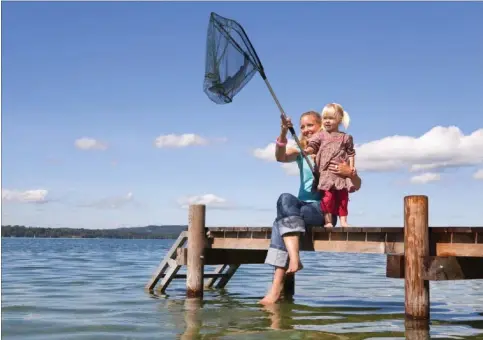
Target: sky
{"type": "Point", "coordinates": [105, 122]}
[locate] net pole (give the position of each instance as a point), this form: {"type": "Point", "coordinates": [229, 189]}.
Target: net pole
{"type": "Point", "coordinates": [292, 131]}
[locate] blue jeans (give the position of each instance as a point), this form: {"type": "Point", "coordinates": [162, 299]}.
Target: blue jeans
{"type": "Point", "coordinates": [293, 216]}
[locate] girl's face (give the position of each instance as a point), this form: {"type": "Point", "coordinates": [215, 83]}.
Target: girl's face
{"type": "Point", "coordinates": [330, 122]}
{"type": "Point", "coordinates": [309, 125]}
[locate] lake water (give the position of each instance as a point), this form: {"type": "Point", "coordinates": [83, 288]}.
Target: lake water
{"type": "Point", "coordinates": [94, 289]}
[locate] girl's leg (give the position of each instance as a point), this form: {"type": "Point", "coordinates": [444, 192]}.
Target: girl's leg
{"type": "Point", "coordinates": [343, 202]}
{"type": "Point", "coordinates": [327, 204]}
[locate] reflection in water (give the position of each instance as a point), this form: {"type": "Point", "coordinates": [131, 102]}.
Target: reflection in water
{"type": "Point", "coordinates": [278, 313]}
{"type": "Point", "coordinates": [416, 329]}
{"type": "Point", "coordinates": [192, 319]}
{"type": "Point", "coordinates": [232, 318]}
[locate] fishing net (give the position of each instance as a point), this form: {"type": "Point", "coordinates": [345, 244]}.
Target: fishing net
{"type": "Point", "coordinates": [231, 61]}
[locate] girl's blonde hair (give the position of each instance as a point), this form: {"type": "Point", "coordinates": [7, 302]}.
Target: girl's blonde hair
{"type": "Point", "coordinates": [318, 119]}
{"type": "Point", "coordinates": [334, 109]}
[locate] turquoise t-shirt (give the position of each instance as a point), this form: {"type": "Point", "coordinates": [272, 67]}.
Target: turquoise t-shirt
{"type": "Point", "coordinates": [306, 179]}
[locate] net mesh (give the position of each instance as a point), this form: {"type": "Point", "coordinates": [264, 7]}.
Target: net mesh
{"type": "Point", "coordinates": [231, 61]}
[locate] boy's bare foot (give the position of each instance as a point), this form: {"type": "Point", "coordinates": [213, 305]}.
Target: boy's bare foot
{"type": "Point", "coordinates": [328, 225]}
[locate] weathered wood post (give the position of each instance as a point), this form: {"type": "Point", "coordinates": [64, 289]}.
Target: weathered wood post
{"type": "Point", "coordinates": [416, 246]}
{"type": "Point", "coordinates": [196, 247]}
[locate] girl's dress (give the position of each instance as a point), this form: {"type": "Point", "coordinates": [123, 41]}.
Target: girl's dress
{"type": "Point", "coordinates": [332, 146]}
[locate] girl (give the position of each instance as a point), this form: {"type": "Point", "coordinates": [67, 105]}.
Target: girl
{"type": "Point", "coordinates": [329, 144]}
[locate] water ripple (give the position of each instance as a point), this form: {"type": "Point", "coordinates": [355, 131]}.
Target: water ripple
{"type": "Point", "coordinates": [94, 289]}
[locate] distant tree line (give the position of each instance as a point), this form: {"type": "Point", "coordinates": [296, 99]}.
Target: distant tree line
{"type": "Point", "coordinates": [148, 232]}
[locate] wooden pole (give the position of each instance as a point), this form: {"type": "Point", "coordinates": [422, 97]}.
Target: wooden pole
{"type": "Point", "coordinates": [416, 247]}
{"type": "Point", "coordinates": [195, 256]}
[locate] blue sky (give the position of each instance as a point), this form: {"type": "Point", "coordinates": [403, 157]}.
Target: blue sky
{"type": "Point", "coordinates": [125, 73]}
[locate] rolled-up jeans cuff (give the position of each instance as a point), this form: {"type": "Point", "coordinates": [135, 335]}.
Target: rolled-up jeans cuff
{"type": "Point", "coordinates": [276, 257]}
{"type": "Point", "coordinates": [291, 224]}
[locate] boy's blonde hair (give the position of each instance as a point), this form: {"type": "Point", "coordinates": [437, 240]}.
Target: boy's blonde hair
{"type": "Point", "coordinates": [334, 109]}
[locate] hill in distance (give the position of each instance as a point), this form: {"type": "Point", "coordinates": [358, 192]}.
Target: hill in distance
{"type": "Point", "coordinates": [147, 232]}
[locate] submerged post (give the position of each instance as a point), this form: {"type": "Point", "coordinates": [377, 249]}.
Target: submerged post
{"type": "Point", "coordinates": [416, 246]}
{"type": "Point", "coordinates": [195, 253]}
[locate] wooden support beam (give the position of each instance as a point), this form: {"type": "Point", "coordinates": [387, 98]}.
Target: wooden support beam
{"type": "Point", "coordinates": [219, 270]}
{"type": "Point", "coordinates": [416, 246]}
{"type": "Point", "coordinates": [332, 246]}
{"type": "Point", "coordinates": [439, 268]}
{"type": "Point", "coordinates": [395, 266]}
{"type": "Point", "coordinates": [232, 268]}
{"type": "Point", "coordinates": [205, 276]}
{"type": "Point", "coordinates": [225, 256]}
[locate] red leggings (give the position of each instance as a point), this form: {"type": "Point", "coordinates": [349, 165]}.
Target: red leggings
{"type": "Point", "coordinates": [335, 202]}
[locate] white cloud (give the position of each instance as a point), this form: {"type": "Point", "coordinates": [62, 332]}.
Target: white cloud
{"type": "Point", "coordinates": [440, 147]}
{"type": "Point", "coordinates": [425, 178]}
{"type": "Point", "coordinates": [268, 154]}
{"type": "Point", "coordinates": [86, 143]}
{"type": "Point", "coordinates": [180, 141]}
{"type": "Point", "coordinates": [216, 203]}
{"type": "Point", "coordinates": [28, 196]}
{"type": "Point", "coordinates": [478, 174]}
{"type": "Point", "coordinates": [207, 199]}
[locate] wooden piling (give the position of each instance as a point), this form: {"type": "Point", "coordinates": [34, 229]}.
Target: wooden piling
{"type": "Point", "coordinates": [416, 247]}
{"type": "Point", "coordinates": [196, 247]}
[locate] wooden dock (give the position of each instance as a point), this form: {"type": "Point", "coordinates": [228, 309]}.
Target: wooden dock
{"type": "Point", "coordinates": [416, 253]}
